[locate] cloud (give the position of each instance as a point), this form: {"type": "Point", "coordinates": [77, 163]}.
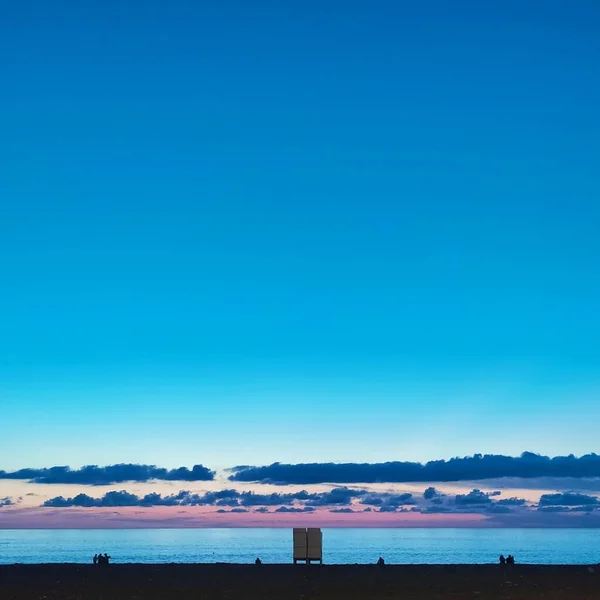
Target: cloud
{"type": "Point", "coordinates": [221, 498]}
{"type": "Point", "coordinates": [387, 508]}
{"type": "Point", "coordinates": [470, 468]}
{"type": "Point", "coordinates": [252, 499]}
{"type": "Point", "coordinates": [512, 502]}
{"type": "Point", "coordinates": [338, 495]}
{"type": "Point", "coordinates": [341, 510]}
{"type": "Point", "coordinates": [6, 502]}
{"type": "Point", "coordinates": [111, 474]}
{"type": "Point", "coordinates": [292, 509]}
{"type": "Point", "coordinates": [121, 498]}
{"type": "Point", "coordinates": [430, 493]}
{"type": "Point", "coordinates": [473, 497]}
{"type": "Point", "coordinates": [387, 499]}
{"type": "Point", "coordinates": [568, 499]}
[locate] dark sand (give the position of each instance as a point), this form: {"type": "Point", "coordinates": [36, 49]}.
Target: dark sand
{"type": "Point", "coordinates": [280, 582]}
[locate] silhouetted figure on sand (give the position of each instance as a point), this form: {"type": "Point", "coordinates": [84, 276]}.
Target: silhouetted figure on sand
{"type": "Point", "coordinates": [95, 559]}
{"type": "Point", "coordinates": [510, 559]}
{"type": "Point", "coordinates": [502, 559]}
{"type": "Point", "coordinates": [103, 559]}
{"type": "Point", "coordinates": [258, 561]}
{"type": "Point", "coordinates": [381, 562]}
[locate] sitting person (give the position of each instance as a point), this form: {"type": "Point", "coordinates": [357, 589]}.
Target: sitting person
{"type": "Point", "coordinates": [502, 559]}
{"type": "Point", "coordinates": [510, 559]}
{"type": "Point", "coordinates": [258, 561]}
{"type": "Point", "coordinates": [381, 561]}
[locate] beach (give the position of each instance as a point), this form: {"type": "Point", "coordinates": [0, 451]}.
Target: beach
{"type": "Point", "coordinates": [301, 582]}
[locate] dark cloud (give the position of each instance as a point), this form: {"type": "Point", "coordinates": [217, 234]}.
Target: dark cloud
{"type": "Point", "coordinates": [111, 474]}
{"type": "Point", "coordinates": [475, 467]}
{"type": "Point", "coordinates": [227, 502]}
{"type": "Point", "coordinates": [121, 498]}
{"type": "Point", "coordinates": [292, 509]}
{"type": "Point", "coordinates": [221, 498]}
{"type": "Point", "coordinates": [387, 500]}
{"type": "Point", "coordinates": [210, 498]}
{"type": "Point", "coordinates": [568, 499]}
{"type": "Point", "coordinates": [252, 499]}
{"type": "Point", "coordinates": [399, 499]}
{"type": "Point", "coordinates": [341, 510]}
{"type": "Point", "coordinates": [239, 510]}
{"type": "Point", "coordinates": [262, 509]}
{"type": "Point", "coordinates": [387, 508]}
{"type": "Point", "coordinates": [339, 496]}
{"type": "Point", "coordinates": [473, 497]}
{"type": "Point", "coordinates": [6, 502]}
{"type": "Point", "coordinates": [430, 493]}
{"type": "Point", "coordinates": [512, 502]}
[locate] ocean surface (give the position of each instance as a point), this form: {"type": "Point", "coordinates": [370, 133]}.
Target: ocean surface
{"type": "Point", "coordinates": [340, 546]}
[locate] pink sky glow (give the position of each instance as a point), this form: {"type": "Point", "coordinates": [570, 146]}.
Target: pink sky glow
{"type": "Point", "coordinates": [200, 516]}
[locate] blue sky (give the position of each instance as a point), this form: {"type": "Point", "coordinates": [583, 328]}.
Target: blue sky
{"type": "Point", "coordinates": [243, 232]}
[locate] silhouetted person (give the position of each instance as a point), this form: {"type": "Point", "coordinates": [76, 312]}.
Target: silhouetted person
{"type": "Point", "coordinates": [502, 559]}
{"type": "Point", "coordinates": [510, 559]}
{"type": "Point", "coordinates": [381, 562]}
{"type": "Point", "coordinates": [258, 561]}
{"type": "Point", "coordinates": [95, 559]}
{"type": "Point", "coordinates": [106, 558]}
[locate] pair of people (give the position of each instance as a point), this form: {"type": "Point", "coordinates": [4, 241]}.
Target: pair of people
{"type": "Point", "coordinates": [101, 559]}
{"type": "Point", "coordinates": [509, 560]}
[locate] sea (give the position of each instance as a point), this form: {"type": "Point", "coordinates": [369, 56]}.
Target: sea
{"type": "Point", "coordinates": [340, 546]}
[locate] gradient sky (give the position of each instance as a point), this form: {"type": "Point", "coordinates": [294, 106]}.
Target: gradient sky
{"type": "Point", "coordinates": [240, 232]}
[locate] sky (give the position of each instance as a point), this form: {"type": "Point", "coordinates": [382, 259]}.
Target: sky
{"type": "Point", "coordinates": [241, 233]}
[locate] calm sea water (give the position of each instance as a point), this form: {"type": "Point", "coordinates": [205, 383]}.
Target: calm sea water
{"type": "Point", "coordinates": [545, 546]}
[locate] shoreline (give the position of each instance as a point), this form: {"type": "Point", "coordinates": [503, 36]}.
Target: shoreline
{"type": "Point", "coordinates": [301, 565]}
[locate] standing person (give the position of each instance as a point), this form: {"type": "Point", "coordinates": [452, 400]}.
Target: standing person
{"type": "Point", "coordinates": [95, 559]}
{"type": "Point", "coordinates": [106, 558]}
